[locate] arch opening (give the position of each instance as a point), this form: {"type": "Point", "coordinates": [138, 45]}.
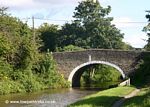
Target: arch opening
{"type": "Point", "coordinates": [76, 73]}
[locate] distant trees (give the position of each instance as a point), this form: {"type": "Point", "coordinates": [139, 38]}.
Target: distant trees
{"type": "Point", "coordinates": [48, 34]}
{"type": "Point", "coordinates": [147, 30]}
{"type": "Point", "coordinates": [91, 28]}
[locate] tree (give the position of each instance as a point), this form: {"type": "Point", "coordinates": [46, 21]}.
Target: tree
{"type": "Point", "coordinates": [91, 28]}
{"type": "Point", "coordinates": [3, 11]}
{"type": "Point", "coordinates": [48, 34]}
{"type": "Point", "coordinates": [12, 32]}
{"type": "Point", "coordinates": [147, 30]}
{"type": "Point", "coordinates": [71, 34]}
{"type": "Point", "coordinates": [22, 67]}
{"type": "Point", "coordinates": [100, 75]}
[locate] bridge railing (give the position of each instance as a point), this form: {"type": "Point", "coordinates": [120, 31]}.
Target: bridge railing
{"type": "Point", "coordinates": [125, 83]}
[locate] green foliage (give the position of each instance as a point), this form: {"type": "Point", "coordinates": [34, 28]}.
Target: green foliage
{"type": "Point", "coordinates": [141, 100]}
{"type": "Point", "coordinates": [47, 64]}
{"type": "Point", "coordinates": [141, 76]}
{"type": "Point", "coordinates": [48, 35]}
{"type": "Point", "coordinates": [9, 86]}
{"type": "Point", "coordinates": [30, 83]}
{"type": "Point", "coordinates": [107, 74]}
{"type": "Point", "coordinates": [147, 29]}
{"type": "Point", "coordinates": [101, 76]}
{"type": "Point", "coordinates": [13, 32]}
{"type": "Point", "coordinates": [25, 54]}
{"type": "Point", "coordinates": [22, 67]}
{"type": "Point", "coordinates": [49, 76]}
{"type": "Point", "coordinates": [11, 26]}
{"type": "Point", "coordinates": [91, 28]}
{"type": "Point", "coordinates": [71, 34]}
{"type": "Point", "coordinates": [31, 79]}
{"type": "Point", "coordinates": [70, 48]}
{"type": "Point", "coordinates": [4, 45]}
{"type": "Point", "coordinates": [5, 70]}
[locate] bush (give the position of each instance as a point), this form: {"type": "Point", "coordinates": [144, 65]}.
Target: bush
{"type": "Point", "coordinates": [39, 76]}
{"type": "Point", "coordinates": [48, 74]}
{"type": "Point", "coordinates": [141, 77]}
{"type": "Point", "coordinates": [5, 70]}
{"type": "Point", "coordinates": [31, 85]}
{"type": "Point", "coordinates": [10, 87]}
{"type": "Point", "coordinates": [22, 67]}
{"type": "Point", "coordinates": [70, 48]}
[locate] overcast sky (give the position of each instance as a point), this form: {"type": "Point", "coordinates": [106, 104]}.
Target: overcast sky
{"type": "Point", "coordinates": [125, 12]}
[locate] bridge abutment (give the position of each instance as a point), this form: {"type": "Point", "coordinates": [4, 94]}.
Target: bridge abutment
{"type": "Point", "coordinates": [124, 61]}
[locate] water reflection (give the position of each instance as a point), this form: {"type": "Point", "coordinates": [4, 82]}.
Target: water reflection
{"type": "Point", "coordinates": [48, 98]}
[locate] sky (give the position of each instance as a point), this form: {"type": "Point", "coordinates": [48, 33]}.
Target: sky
{"type": "Point", "coordinates": [129, 15]}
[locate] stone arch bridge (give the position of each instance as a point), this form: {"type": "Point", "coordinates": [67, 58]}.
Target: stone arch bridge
{"type": "Point", "coordinates": [70, 63]}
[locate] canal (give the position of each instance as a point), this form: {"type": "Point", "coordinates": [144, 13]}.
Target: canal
{"type": "Point", "coordinates": [47, 98]}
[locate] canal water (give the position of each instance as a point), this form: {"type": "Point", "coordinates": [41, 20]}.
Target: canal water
{"type": "Point", "coordinates": [47, 98]}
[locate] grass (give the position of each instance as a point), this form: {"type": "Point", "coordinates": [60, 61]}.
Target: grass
{"type": "Point", "coordinates": [103, 98]}
{"type": "Point", "coordinates": [141, 100]}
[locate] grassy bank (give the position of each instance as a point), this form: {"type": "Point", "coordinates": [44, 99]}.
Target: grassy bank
{"type": "Point", "coordinates": [103, 98]}
{"type": "Point", "coordinates": [141, 100]}
{"type": "Point", "coordinates": [141, 78]}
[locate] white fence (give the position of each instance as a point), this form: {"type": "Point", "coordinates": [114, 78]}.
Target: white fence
{"type": "Point", "coordinates": [125, 83]}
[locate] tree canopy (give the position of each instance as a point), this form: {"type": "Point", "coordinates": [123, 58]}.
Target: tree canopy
{"type": "Point", "coordinates": [147, 30]}
{"type": "Point", "coordinates": [48, 34]}
{"type": "Point", "coordinates": [91, 28]}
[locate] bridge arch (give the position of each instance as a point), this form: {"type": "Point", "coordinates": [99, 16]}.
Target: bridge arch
{"type": "Point", "coordinates": [75, 70]}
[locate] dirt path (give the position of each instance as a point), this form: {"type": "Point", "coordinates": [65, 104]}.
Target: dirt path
{"type": "Point", "coordinates": [120, 102]}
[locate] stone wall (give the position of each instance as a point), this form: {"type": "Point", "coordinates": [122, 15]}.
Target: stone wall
{"type": "Point", "coordinates": [126, 60]}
